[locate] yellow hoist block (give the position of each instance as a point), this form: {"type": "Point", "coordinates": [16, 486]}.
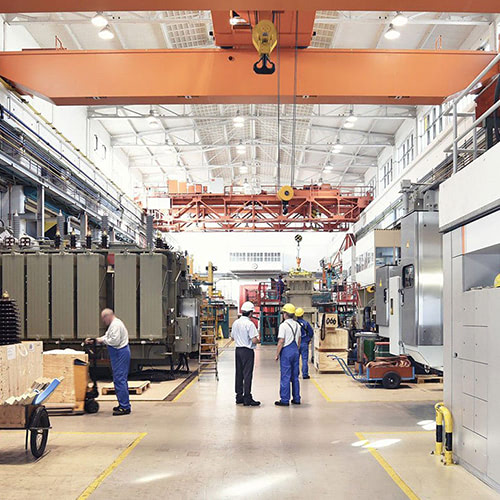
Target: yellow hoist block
{"type": "Point", "coordinates": [285, 193]}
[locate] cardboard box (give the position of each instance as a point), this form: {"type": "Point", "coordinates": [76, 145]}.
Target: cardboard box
{"type": "Point", "coordinates": [20, 365]}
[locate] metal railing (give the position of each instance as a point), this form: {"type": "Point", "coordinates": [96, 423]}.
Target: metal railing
{"type": "Point", "coordinates": [472, 128]}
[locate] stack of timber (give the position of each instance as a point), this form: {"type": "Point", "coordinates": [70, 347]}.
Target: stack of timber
{"type": "Point", "coordinates": [20, 365]}
{"type": "Point", "coordinates": [29, 396]}
{"type": "Point", "coordinates": [329, 340]}
{"type": "Point", "coordinates": [72, 366]}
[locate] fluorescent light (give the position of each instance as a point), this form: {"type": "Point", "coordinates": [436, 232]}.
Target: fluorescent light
{"type": "Point", "coordinates": [99, 20]}
{"type": "Point", "coordinates": [153, 122]}
{"type": "Point", "coordinates": [106, 33]}
{"type": "Point", "coordinates": [351, 119]}
{"type": "Point", "coordinates": [241, 148]}
{"type": "Point", "coordinates": [338, 147]}
{"type": "Point", "coordinates": [329, 168]}
{"type": "Point", "coordinates": [238, 121]}
{"type": "Point", "coordinates": [243, 169]}
{"type": "Point", "coordinates": [392, 33]}
{"type": "Point", "coordinates": [348, 124]}
{"type": "Point", "coordinates": [400, 19]}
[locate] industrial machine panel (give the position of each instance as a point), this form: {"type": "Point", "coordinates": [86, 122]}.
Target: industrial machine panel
{"type": "Point", "coordinates": [190, 307]}
{"type": "Point", "coordinates": [126, 287]}
{"type": "Point", "coordinates": [394, 316]}
{"type": "Point", "coordinates": [383, 274]}
{"type": "Point", "coordinates": [63, 296]}
{"type": "Point", "coordinates": [13, 281]}
{"type": "Point", "coordinates": [91, 294]}
{"type": "Point", "coordinates": [422, 280]}
{"type": "Point", "coordinates": [183, 335]}
{"type": "Point", "coordinates": [153, 296]}
{"type": "Point", "coordinates": [37, 296]}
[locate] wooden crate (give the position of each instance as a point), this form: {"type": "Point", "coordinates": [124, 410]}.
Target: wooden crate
{"type": "Point", "coordinates": [334, 338]}
{"type": "Point", "coordinates": [14, 417]}
{"type": "Point", "coordinates": [74, 383]}
{"type": "Point", "coordinates": [20, 365]}
{"type": "Point", "coordinates": [324, 364]}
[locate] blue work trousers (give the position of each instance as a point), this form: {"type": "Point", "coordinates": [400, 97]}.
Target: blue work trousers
{"type": "Point", "coordinates": [289, 366]}
{"type": "Point", "coordinates": [304, 354]}
{"type": "Point", "coordinates": [120, 364]}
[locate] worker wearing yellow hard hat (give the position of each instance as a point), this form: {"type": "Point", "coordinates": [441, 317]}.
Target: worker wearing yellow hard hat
{"type": "Point", "coordinates": [306, 335]}
{"type": "Point", "coordinates": [288, 355]}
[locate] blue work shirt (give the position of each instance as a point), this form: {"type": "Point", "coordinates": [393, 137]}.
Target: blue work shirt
{"type": "Point", "coordinates": [306, 330]}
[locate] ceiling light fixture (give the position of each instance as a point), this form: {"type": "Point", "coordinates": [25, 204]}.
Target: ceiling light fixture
{"type": "Point", "coordinates": [338, 147]}
{"type": "Point", "coordinates": [351, 118]}
{"type": "Point", "coordinates": [348, 124]}
{"type": "Point", "coordinates": [99, 20]}
{"type": "Point", "coordinates": [238, 121]}
{"type": "Point", "coordinates": [236, 19]}
{"type": "Point", "coordinates": [400, 19]}
{"type": "Point", "coordinates": [241, 148]}
{"type": "Point", "coordinates": [106, 34]}
{"type": "Point", "coordinates": [392, 33]}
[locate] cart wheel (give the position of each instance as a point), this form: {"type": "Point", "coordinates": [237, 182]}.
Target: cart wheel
{"type": "Point", "coordinates": [91, 406]}
{"type": "Point", "coordinates": [391, 380]}
{"type": "Point", "coordinates": [39, 429]}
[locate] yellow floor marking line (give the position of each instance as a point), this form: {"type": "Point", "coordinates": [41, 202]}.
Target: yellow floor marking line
{"type": "Point", "coordinates": [398, 432]}
{"type": "Point", "coordinates": [121, 457]}
{"type": "Point", "coordinates": [392, 473]}
{"type": "Point", "coordinates": [184, 390]}
{"type": "Point", "coordinates": [321, 391]}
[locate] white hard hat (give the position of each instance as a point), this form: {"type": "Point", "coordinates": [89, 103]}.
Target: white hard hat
{"type": "Point", "coordinates": [247, 307]}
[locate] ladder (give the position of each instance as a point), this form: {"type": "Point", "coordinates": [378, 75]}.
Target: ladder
{"type": "Point", "coordinates": [209, 349]}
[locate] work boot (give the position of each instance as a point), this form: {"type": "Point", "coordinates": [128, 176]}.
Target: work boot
{"type": "Point", "coordinates": [280, 403]}
{"type": "Point", "coordinates": [305, 377]}
{"type": "Point", "coordinates": [251, 402]}
{"type": "Point", "coordinates": [121, 411]}
{"type": "Point", "coordinates": [239, 401]}
{"type": "Point", "coordinates": [295, 402]}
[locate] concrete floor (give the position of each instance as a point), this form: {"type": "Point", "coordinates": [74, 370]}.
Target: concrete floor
{"type": "Point", "coordinates": [204, 446]}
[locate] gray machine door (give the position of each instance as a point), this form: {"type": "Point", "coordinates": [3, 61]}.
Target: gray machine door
{"type": "Point", "coordinates": [421, 280]}
{"type": "Point", "coordinates": [381, 295]}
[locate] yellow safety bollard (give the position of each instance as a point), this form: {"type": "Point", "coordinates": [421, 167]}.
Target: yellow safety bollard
{"type": "Point", "coordinates": [442, 413]}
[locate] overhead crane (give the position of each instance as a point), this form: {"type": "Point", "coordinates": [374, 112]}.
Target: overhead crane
{"type": "Point", "coordinates": [322, 208]}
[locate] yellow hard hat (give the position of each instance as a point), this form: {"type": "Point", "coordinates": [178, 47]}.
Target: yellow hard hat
{"type": "Point", "coordinates": [497, 281]}
{"type": "Point", "coordinates": [299, 312]}
{"type": "Point", "coordinates": [288, 308]}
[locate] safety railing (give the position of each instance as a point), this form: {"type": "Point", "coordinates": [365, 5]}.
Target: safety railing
{"type": "Point", "coordinates": [472, 129]}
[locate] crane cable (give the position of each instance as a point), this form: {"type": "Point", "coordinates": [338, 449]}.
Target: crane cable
{"type": "Point", "coordinates": [294, 112]}
{"type": "Point", "coordinates": [278, 26]}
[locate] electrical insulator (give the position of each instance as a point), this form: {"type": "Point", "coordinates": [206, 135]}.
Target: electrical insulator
{"type": "Point", "coordinates": [72, 240]}
{"type": "Point", "coordinates": [104, 240]}
{"type": "Point", "coordinates": [88, 240]}
{"type": "Point", "coordinates": [57, 240]}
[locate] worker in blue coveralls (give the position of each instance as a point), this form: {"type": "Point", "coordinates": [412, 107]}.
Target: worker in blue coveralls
{"type": "Point", "coordinates": [288, 355]}
{"type": "Point", "coordinates": [306, 335]}
{"type": "Point", "coordinates": [280, 285]}
{"type": "Point", "coordinates": [116, 340]}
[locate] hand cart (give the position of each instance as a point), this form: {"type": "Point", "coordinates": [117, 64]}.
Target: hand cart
{"type": "Point", "coordinates": [33, 418]}
{"type": "Point", "coordinates": [390, 376]}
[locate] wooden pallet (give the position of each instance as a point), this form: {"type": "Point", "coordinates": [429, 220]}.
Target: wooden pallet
{"type": "Point", "coordinates": [426, 379]}
{"type": "Point", "coordinates": [134, 387]}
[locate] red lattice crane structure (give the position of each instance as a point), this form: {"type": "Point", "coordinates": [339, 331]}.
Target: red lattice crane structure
{"type": "Point", "coordinates": [320, 208]}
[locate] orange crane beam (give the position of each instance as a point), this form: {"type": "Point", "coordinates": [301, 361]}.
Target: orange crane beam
{"type": "Point", "coordinates": [314, 208]}
{"type": "Point", "coordinates": [26, 6]}
{"type": "Point", "coordinates": [117, 77]}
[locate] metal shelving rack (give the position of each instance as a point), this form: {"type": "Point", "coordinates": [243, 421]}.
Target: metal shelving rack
{"type": "Point", "coordinates": [209, 350]}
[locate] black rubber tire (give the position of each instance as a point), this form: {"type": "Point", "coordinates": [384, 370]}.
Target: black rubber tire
{"type": "Point", "coordinates": [39, 437]}
{"type": "Point", "coordinates": [91, 406]}
{"type": "Point", "coordinates": [391, 380]}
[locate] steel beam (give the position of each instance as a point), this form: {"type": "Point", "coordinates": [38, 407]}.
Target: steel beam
{"type": "Point", "coordinates": [220, 76]}
{"type": "Point", "coordinates": [315, 208]}
{"type": "Point", "coordinates": [27, 6]}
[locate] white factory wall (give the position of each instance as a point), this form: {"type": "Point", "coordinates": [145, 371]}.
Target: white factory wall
{"type": "Point", "coordinates": [87, 136]}
{"type": "Point", "coordinates": [216, 247]}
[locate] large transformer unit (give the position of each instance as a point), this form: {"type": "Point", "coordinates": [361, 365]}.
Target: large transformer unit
{"type": "Point", "coordinates": [61, 294]}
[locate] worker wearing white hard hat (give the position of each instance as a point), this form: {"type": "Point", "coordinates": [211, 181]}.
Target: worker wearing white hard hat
{"type": "Point", "coordinates": [246, 337]}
